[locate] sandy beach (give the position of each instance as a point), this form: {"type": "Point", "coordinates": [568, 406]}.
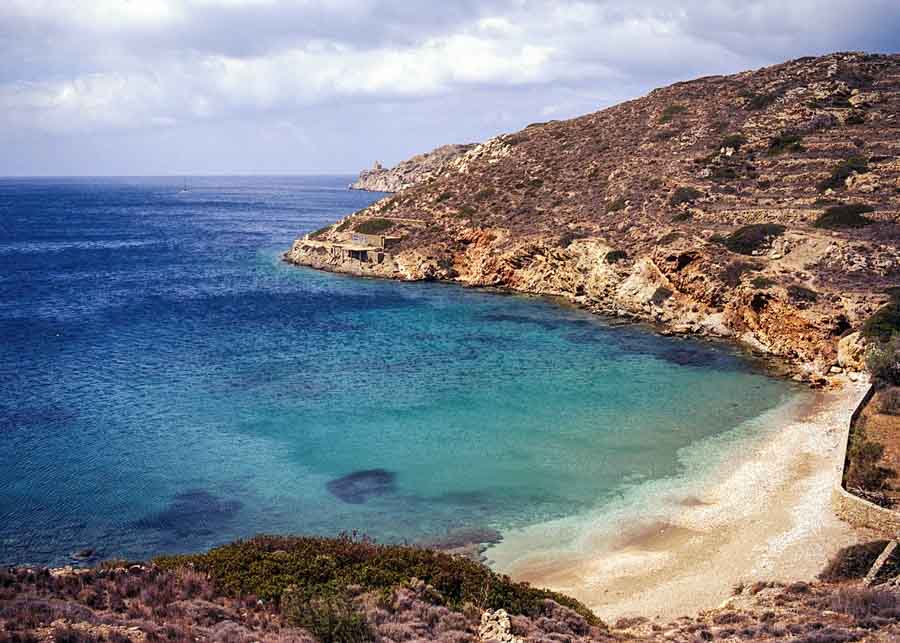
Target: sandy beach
{"type": "Point", "coordinates": [764, 513]}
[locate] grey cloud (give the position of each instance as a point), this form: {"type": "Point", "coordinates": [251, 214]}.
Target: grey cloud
{"type": "Point", "coordinates": [268, 79]}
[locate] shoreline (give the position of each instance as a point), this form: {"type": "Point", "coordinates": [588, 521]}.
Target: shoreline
{"type": "Point", "coordinates": [771, 364]}
{"type": "Point", "coordinates": [763, 514]}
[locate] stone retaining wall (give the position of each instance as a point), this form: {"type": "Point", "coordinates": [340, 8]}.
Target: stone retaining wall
{"type": "Point", "coordinates": [852, 508]}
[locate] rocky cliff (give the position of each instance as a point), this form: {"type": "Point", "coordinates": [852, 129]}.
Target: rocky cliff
{"type": "Point", "coordinates": [410, 172]}
{"type": "Point", "coordinates": [762, 206]}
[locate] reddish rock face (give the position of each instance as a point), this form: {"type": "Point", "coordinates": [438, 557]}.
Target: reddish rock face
{"type": "Point", "coordinates": [696, 206]}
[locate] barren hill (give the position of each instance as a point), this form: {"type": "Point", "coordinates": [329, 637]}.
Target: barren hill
{"type": "Point", "coordinates": [762, 206]}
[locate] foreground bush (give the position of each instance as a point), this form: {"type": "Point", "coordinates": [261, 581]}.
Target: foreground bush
{"type": "Point", "coordinates": [853, 562]}
{"type": "Point", "coordinates": [329, 620]}
{"type": "Point", "coordinates": [865, 476]}
{"type": "Point", "coordinates": [863, 603]}
{"type": "Point", "coordinates": [889, 402]}
{"type": "Point", "coordinates": [320, 569]}
{"type": "Point", "coordinates": [749, 238]}
{"type": "Point", "coordinates": [885, 322]}
{"type": "Point", "coordinates": [883, 361]}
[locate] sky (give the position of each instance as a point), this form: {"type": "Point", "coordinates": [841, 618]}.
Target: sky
{"type": "Point", "coordinates": [178, 87]}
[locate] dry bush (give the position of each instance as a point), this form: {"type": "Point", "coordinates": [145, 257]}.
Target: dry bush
{"type": "Point", "coordinates": [853, 562]}
{"type": "Point", "coordinates": [863, 602]}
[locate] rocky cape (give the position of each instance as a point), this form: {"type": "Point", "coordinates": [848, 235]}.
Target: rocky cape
{"type": "Point", "coordinates": [761, 207]}
{"type": "Point", "coordinates": [420, 168]}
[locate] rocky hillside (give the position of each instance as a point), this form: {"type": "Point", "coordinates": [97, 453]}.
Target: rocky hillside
{"type": "Point", "coordinates": [418, 169]}
{"type": "Point", "coordinates": [762, 206]}
{"type": "Point", "coordinates": [301, 590]}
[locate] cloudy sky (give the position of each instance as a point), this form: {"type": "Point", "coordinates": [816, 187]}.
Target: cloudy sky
{"type": "Point", "coordinates": [297, 86]}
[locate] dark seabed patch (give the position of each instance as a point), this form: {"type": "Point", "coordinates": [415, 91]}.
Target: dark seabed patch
{"type": "Point", "coordinates": [690, 356]}
{"type": "Point", "coordinates": [357, 487]}
{"type": "Point", "coordinates": [546, 324]}
{"type": "Point", "coordinates": [191, 512]}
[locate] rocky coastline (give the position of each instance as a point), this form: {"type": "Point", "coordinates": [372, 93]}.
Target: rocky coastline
{"type": "Point", "coordinates": [761, 208]}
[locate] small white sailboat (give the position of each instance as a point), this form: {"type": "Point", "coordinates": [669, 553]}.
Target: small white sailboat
{"type": "Point", "coordinates": [184, 187]}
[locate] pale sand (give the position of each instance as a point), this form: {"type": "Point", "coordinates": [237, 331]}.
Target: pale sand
{"type": "Point", "coordinates": [765, 514]}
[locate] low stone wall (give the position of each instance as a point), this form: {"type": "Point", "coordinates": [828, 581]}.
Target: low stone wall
{"type": "Point", "coordinates": [852, 508]}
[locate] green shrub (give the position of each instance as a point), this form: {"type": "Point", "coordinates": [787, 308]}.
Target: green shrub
{"type": "Point", "coordinates": [567, 237]}
{"type": "Point", "coordinates": [802, 294]}
{"type": "Point", "coordinates": [842, 171]}
{"type": "Point", "coordinates": [667, 134]}
{"type": "Point", "coordinates": [321, 230]}
{"type": "Point", "coordinates": [724, 172]}
{"type": "Point", "coordinates": [734, 141]}
{"type": "Point", "coordinates": [616, 204]}
{"type": "Point", "coordinates": [759, 101]}
{"type": "Point", "coordinates": [885, 323]}
{"type": "Point", "coordinates": [856, 117]}
{"type": "Point", "coordinates": [684, 195]}
{"type": "Point", "coordinates": [343, 225]}
{"type": "Point", "coordinates": [614, 256]}
{"type": "Point", "coordinates": [680, 217]}
{"type": "Point", "coordinates": [670, 112]}
{"type": "Point", "coordinates": [660, 295]}
{"type": "Point", "coordinates": [484, 194]}
{"type": "Point", "coordinates": [883, 360]}
{"type": "Point", "coordinates": [444, 196]}
{"type": "Point", "coordinates": [320, 569]}
{"type": "Point", "coordinates": [374, 226]}
{"type": "Point", "coordinates": [762, 283]}
{"type": "Point", "coordinates": [745, 240]}
{"type": "Point", "coordinates": [864, 471]}
{"type": "Point", "coordinates": [844, 216]}
{"type": "Point", "coordinates": [785, 142]}
{"type": "Point", "coordinates": [466, 212]}
{"type": "Point", "coordinates": [331, 620]}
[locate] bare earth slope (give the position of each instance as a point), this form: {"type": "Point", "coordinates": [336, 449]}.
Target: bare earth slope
{"type": "Point", "coordinates": [640, 209]}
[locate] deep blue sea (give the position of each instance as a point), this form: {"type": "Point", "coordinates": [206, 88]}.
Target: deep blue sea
{"type": "Point", "coordinates": [168, 384]}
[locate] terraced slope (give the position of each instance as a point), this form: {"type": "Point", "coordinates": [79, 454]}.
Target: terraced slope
{"type": "Point", "coordinates": [716, 206]}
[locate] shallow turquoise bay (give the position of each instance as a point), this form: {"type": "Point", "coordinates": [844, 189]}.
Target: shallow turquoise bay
{"type": "Point", "coordinates": [169, 384]}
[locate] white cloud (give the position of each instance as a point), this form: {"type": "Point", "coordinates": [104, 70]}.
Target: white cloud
{"type": "Point", "coordinates": [133, 65]}
{"type": "Point", "coordinates": [210, 86]}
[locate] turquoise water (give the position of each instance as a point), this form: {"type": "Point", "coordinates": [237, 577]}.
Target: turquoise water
{"type": "Point", "coordinates": [169, 384]}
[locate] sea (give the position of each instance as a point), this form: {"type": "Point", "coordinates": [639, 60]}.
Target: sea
{"type": "Point", "coordinates": [169, 384]}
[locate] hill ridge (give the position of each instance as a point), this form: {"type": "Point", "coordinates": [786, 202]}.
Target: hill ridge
{"type": "Point", "coordinates": [694, 206]}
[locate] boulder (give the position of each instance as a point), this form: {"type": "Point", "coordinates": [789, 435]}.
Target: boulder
{"type": "Point", "coordinates": [495, 626]}
{"type": "Point", "coordinates": [851, 352]}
